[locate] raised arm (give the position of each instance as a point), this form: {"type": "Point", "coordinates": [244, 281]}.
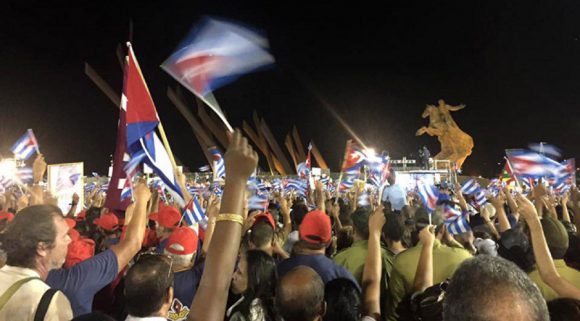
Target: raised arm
{"type": "Point", "coordinates": [126, 249]}
{"type": "Point", "coordinates": [564, 202]}
{"type": "Point", "coordinates": [424, 273]}
{"type": "Point", "coordinates": [285, 212]}
{"type": "Point", "coordinates": [371, 279]}
{"type": "Point", "coordinates": [211, 297]}
{"type": "Point", "coordinates": [211, 213]}
{"type": "Point", "coordinates": [544, 262]}
{"type": "Point", "coordinates": [455, 108]}
{"type": "Point", "coordinates": [498, 202]}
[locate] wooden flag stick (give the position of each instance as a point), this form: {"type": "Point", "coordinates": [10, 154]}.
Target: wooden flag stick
{"type": "Point", "coordinates": [103, 86]}
{"type": "Point", "coordinates": [211, 125]}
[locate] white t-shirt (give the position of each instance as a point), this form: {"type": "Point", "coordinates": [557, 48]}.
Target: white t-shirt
{"type": "Point", "coordinates": [22, 305]}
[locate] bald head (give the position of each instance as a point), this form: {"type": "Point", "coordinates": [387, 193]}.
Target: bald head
{"type": "Point", "coordinates": [300, 295]}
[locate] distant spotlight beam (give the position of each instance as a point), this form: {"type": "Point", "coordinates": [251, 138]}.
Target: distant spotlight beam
{"type": "Point", "coordinates": [330, 109]}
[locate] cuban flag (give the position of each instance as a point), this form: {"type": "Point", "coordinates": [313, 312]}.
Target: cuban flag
{"type": "Point", "coordinates": [205, 168]}
{"type": "Point", "coordinates": [378, 169]}
{"type": "Point", "coordinates": [303, 169]}
{"type": "Point", "coordinates": [480, 198]}
{"type": "Point", "coordinates": [215, 53]}
{"type": "Point", "coordinates": [127, 191]}
{"type": "Point", "coordinates": [297, 185]}
{"type": "Point", "coordinates": [457, 225]}
{"type": "Point", "coordinates": [194, 213]}
{"type": "Point", "coordinates": [25, 146]}
{"type": "Point", "coordinates": [546, 149]}
{"type": "Point", "coordinates": [354, 158]}
{"type": "Point", "coordinates": [24, 174]}
{"type": "Point", "coordinates": [258, 202]}
{"type": "Point", "coordinates": [429, 194]}
{"type": "Point", "coordinates": [5, 182]}
{"type": "Point", "coordinates": [142, 120]}
{"type": "Point", "coordinates": [532, 165]}
{"type": "Point", "coordinates": [218, 163]}
{"type": "Point", "coordinates": [469, 187]}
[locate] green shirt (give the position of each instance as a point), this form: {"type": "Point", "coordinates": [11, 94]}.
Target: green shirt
{"type": "Point", "coordinates": [353, 259]}
{"type": "Point", "coordinates": [567, 273]}
{"type": "Point", "coordinates": [445, 261]}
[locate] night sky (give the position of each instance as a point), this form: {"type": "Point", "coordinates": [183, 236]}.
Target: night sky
{"type": "Point", "coordinates": [515, 64]}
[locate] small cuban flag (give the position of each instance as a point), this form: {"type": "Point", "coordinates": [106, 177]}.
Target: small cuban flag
{"type": "Point", "coordinates": [25, 146]}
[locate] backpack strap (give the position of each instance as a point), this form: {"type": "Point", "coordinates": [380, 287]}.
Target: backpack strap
{"type": "Point", "coordinates": [43, 304]}
{"type": "Point", "coordinates": [12, 289]}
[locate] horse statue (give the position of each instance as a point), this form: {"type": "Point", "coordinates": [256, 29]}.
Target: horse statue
{"type": "Point", "coordinates": [456, 145]}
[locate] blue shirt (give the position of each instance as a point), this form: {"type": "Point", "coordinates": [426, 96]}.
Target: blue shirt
{"type": "Point", "coordinates": [325, 267]}
{"type": "Point", "coordinates": [396, 195]}
{"type": "Point", "coordinates": [161, 246]}
{"type": "Point", "coordinates": [81, 282]}
{"type": "Point", "coordinates": [185, 285]}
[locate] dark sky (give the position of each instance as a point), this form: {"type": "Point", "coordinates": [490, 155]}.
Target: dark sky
{"type": "Point", "coordinates": [515, 64]}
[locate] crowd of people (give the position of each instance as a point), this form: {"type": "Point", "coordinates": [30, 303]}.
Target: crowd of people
{"type": "Point", "coordinates": [319, 257]}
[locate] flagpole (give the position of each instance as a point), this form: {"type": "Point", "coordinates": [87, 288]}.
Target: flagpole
{"type": "Point", "coordinates": [512, 171]}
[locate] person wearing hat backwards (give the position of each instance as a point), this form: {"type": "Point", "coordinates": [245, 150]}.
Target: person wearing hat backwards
{"type": "Point", "coordinates": [557, 239]}
{"type": "Point", "coordinates": [315, 236]}
{"type": "Point", "coordinates": [445, 260]}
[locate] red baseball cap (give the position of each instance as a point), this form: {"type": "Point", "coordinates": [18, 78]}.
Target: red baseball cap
{"type": "Point", "coordinates": [315, 228]}
{"type": "Point", "coordinates": [74, 234]}
{"type": "Point", "coordinates": [70, 222]}
{"type": "Point", "coordinates": [168, 216]}
{"type": "Point", "coordinates": [6, 216]}
{"type": "Point", "coordinates": [79, 251]}
{"type": "Point", "coordinates": [182, 241]}
{"type": "Point", "coordinates": [108, 221]}
{"type": "Point", "coordinates": [265, 217]}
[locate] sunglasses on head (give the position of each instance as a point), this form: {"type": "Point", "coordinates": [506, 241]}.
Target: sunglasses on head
{"type": "Point", "coordinates": [164, 257]}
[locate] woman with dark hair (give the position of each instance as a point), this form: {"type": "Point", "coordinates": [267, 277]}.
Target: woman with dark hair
{"type": "Point", "coordinates": [255, 279]}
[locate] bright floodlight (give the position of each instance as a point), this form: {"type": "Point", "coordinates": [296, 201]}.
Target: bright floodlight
{"type": "Point", "coordinates": [8, 168]}
{"type": "Point", "coordinates": [370, 152]}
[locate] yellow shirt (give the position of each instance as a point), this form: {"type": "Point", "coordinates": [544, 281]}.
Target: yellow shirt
{"type": "Point", "coordinates": [445, 262]}
{"type": "Point", "coordinates": [567, 273]}
{"type": "Point", "coordinates": [22, 305]}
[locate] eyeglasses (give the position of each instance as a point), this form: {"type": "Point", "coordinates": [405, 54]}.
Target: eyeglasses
{"type": "Point", "coordinates": [165, 257]}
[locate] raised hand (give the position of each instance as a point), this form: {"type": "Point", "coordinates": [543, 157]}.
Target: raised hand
{"type": "Point", "coordinates": [38, 168]}
{"type": "Point", "coordinates": [240, 159]}
{"type": "Point", "coordinates": [377, 220]}
{"type": "Point", "coordinates": [525, 207]}
{"type": "Point", "coordinates": [427, 235]}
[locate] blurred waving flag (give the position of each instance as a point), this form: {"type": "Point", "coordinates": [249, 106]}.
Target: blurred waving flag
{"type": "Point", "coordinates": [533, 165]}
{"type": "Point", "coordinates": [469, 187]}
{"type": "Point", "coordinates": [546, 149]}
{"type": "Point", "coordinates": [429, 194]}
{"type": "Point", "coordinates": [215, 53]}
{"type": "Point", "coordinates": [142, 120]}
{"type": "Point", "coordinates": [219, 166]}
{"type": "Point", "coordinates": [378, 169]}
{"type": "Point", "coordinates": [25, 146]}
